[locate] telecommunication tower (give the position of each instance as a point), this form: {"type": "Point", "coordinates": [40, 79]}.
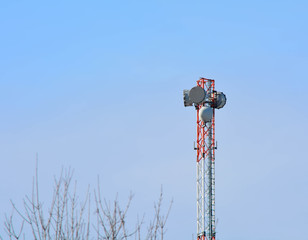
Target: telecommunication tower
{"type": "Point", "coordinates": [205, 99]}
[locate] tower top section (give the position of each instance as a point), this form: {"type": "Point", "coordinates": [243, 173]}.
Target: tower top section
{"type": "Point", "coordinates": [204, 95]}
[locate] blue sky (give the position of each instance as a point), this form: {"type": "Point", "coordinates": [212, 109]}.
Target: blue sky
{"type": "Point", "coordinates": [97, 86]}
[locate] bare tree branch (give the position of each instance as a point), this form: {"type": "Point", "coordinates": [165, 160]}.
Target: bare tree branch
{"type": "Point", "coordinates": [68, 218]}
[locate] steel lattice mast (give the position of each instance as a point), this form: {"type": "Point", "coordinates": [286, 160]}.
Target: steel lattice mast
{"type": "Point", "coordinates": [206, 169]}
{"type": "Point", "coordinates": [205, 99]}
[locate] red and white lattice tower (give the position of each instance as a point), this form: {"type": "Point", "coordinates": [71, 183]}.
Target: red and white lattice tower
{"type": "Point", "coordinates": [206, 100]}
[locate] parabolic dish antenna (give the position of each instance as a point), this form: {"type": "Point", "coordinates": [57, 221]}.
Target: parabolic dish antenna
{"type": "Point", "coordinates": [206, 114]}
{"type": "Point", "coordinates": [221, 100]}
{"type": "Point", "coordinates": [197, 95]}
